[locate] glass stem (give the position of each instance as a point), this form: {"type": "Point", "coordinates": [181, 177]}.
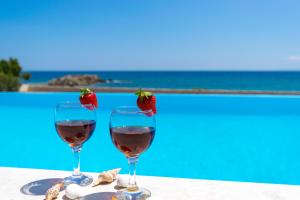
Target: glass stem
{"type": "Point", "coordinates": [132, 172]}
{"type": "Point", "coordinates": [76, 161]}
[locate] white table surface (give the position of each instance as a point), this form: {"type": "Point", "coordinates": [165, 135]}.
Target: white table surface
{"type": "Point", "coordinates": [18, 183]}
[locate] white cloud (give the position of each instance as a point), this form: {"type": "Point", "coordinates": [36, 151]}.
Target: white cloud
{"type": "Point", "coordinates": [294, 58]}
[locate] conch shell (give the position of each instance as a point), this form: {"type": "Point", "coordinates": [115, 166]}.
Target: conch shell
{"type": "Point", "coordinates": [53, 192]}
{"type": "Point", "coordinates": [107, 176]}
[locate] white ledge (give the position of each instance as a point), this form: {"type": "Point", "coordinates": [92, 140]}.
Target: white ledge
{"type": "Point", "coordinates": [13, 180]}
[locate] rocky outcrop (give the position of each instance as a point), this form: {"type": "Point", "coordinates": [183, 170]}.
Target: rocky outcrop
{"type": "Point", "coordinates": [76, 80]}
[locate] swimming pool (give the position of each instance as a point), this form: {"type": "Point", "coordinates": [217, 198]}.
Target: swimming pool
{"type": "Point", "coordinates": [220, 137]}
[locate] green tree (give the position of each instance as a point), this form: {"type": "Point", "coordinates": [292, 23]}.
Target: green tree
{"type": "Point", "coordinates": [9, 82]}
{"type": "Point", "coordinates": [10, 72]}
{"type": "Point", "coordinates": [15, 68]}
{"type": "Point", "coordinates": [4, 67]}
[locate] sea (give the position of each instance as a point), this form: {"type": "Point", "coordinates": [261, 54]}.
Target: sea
{"type": "Point", "coordinates": [223, 80]}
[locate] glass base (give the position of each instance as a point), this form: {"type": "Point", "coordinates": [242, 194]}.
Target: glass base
{"type": "Point", "coordinates": [140, 194]}
{"type": "Point", "coordinates": [81, 179]}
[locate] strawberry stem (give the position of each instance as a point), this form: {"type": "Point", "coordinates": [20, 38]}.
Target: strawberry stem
{"type": "Point", "coordinates": [84, 91]}
{"type": "Point", "coordinates": [142, 94]}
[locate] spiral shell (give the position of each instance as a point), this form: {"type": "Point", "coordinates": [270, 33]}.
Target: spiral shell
{"type": "Point", "coordinates": [53, 192]}
{"type": "Point", "coordinates": [107, 176]}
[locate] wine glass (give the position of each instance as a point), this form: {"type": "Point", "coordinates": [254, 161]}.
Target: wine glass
{"type": "Point", "coordinates": [75, 124]}
{"type": "Point", "coordinates": [132, 131]}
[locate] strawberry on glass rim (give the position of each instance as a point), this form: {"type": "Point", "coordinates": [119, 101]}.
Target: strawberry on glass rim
{"type": "Point", "coordinates": [87, 96]}
{"type": "Point", "coordinates": [146, 101]}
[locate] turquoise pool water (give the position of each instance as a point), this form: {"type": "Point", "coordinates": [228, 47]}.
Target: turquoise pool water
{"type": "Point", "coordinates": [222, 137]}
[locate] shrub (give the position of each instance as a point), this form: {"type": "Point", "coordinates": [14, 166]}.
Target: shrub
{"type": "Point", "coordinates": [8, 82]}
{"type": "Point", "coordinates": [26, 76]}
{"type": "Point", "coordinates": [10, 71]}
{"type": "Point", "coordinates": [15, 68]}
{"type": "Point", "coordinates": [10, 66]}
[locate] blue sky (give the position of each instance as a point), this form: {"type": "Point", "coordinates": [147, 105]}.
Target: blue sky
{"type": "Point", "coordinates": [151, 34]}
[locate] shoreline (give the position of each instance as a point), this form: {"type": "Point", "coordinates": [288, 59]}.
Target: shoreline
{"type": "Point", "coordinates": [47, 88]}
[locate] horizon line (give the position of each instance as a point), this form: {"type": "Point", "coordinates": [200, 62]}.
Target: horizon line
{"type": "Point", "coordinates": [221, 70]}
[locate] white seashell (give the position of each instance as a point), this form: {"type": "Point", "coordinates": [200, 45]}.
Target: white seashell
{"type": "Point", "coordinates": [122, 181]}
{"type": "Point", "coordinates": [74, 191]}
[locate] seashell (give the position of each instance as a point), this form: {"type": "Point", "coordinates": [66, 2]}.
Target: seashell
{"type": "Point", "coordinates": [122, 182]}
{"type": "Point", "coordinates": [74, 191]}
{"type": "Point", "coordinates": [53, 192]}
{"type": "Point", "coordinates": [114, 197]}
{"type": "Point", "coordinates": [107, 176]}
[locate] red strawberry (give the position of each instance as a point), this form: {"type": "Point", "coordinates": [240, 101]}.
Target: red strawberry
{"type": "Point", "coordinates": [87, 96]}
{"type": "Point", "coordinates": [146, 101]}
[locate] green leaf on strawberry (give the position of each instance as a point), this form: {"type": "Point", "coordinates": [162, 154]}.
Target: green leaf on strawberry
{"type": "Point", "coordinates": [87, 96]}
{"type": "Point", "coordinates": [146, 101]}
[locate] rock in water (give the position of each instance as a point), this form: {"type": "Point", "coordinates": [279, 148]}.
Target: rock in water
{"type": "Point", "coordinates": [76, 80]}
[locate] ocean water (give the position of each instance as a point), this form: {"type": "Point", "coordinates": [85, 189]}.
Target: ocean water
{"type": "Point", "coordinates": [272, 81]}
{"type": "Point", "coordinates": [220, 137]}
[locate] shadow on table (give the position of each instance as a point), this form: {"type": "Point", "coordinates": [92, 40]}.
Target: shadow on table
{"type": "Point", "coordinates": [96, 196]}
{"type": "Point", "coordinates": [39, 187]}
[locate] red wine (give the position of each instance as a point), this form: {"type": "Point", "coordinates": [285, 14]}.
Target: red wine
{"type": "Point", "coordinates": [132, 140]}
{"type": "Point", "coordinates": [75, 132]}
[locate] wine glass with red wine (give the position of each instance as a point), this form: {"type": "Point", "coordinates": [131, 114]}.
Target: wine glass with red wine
{"type": "Point", "coordinates": [75, 124]}
{"type": "Point", "coordinates": [132, 132]}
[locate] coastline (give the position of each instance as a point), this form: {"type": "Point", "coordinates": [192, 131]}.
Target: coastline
{"type": "Point", "coordinates": [47, 88]}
